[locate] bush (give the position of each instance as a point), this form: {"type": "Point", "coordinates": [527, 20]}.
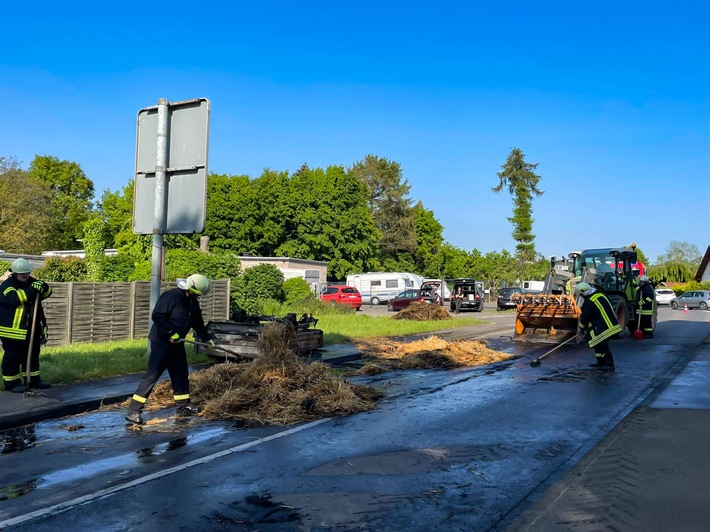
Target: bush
{"type": "Point", "coordinates": [257, 285]}
{"type": "Point", "coordinates": [297, 290]}
{"type": "Point", "coordinates": [62, 270]}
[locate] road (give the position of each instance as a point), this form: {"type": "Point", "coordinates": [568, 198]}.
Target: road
{"type": "Point", "coordinates": [455, 450]}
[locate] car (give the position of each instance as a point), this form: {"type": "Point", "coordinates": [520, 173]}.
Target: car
{"type": "Point", "coordinates": [692, 299]}
{"type": "Point", "coordinates": [472, 291]}
{"type": "Point", "coordinates": [406, 298]}
{"type": "Point", "coordinates": [341, 295]}
{"type": "Point", "coordinates": [664, 296]}
{"type": "Point", "coordinates": [505, 297]}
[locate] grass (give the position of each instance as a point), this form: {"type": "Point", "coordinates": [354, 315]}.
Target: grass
{"type": "Point", "coordinates": [86, 362]}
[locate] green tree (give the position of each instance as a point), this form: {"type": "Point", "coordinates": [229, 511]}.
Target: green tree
{"type": "Point", "coordinates": [328, 220]}
{"type": "Point", "coordinates": [678, 264]}
{"type": "Point", "coordinates": [94, 247]}
{"type": "Point", "coordinates": [519, 178]}
{"type": "Point", "coordinates": [71, 198]}
{"type": "Point", "coordinates": [26, 219]}
{"type": "Point", "coordinates": [391, 209]}
{"type": "Point", "coordinates": [429, 240]}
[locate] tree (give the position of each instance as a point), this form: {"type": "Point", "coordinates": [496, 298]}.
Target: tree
{"type": "Point", "coordinates": [387, 200]}
{"type": "Point", "coordinates": [678, 264]}
{"type": "Point", "coordinates": [71, 198]}
{"type": "Point", "coordinates": [429, 240]}
{"type": "Point", "coordinates": [522, 183]}
{"type": "Point", "coordinates": [26, 219]}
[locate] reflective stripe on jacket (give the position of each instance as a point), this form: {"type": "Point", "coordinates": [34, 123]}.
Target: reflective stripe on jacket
{"type": "Point", "coordinates": [16, 301]}
{"type": "Point", "coordinates": [646, 298]}
{"type": "Point", "coordinates": [598, 318]}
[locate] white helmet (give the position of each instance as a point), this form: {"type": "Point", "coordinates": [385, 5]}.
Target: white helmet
{"type": "Point", "coordinates": [643, 279]}
{"type": "Point", "coordinates": [197, 284]}
{"type": "Point", "coordinates": [20, 266]}
{"type": "Point", "coordinates": [584, 289]}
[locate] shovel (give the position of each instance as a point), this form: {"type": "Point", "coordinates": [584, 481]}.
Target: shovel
{"type": "Point", "coordinates": [208, 346]}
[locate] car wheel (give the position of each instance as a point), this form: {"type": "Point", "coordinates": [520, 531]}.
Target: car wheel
{"type": "Point", "coordinates": [674, 305]}
{"type": "Point", "coordinates": [390, 308]}
{"type": "Point", "coordinates": [375, 301]}
{"type": "Point", "coordinates": [357, 309]}
{"type": "Point", "coordinates": [333, 303]}
{"type": "Point", "coordinates": [703, 305]}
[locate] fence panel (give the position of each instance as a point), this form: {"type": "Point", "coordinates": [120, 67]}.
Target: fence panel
{"type": "Point", "coordinates": [99, 312]}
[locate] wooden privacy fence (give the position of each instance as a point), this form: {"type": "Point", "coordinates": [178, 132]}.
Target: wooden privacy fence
{"type": "Point", "coordinates": [99, 312]}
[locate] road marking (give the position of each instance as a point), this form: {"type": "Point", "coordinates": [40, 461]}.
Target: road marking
{"type": "Point", "coordinates": [67, 505]}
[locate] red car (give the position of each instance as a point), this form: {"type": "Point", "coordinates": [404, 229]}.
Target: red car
{"type": "Point", "coordinates": [342, 295]}
{"type": "Point", "coordinates": [408, 297]}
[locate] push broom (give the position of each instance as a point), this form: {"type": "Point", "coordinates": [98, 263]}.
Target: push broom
{"type": "Point", "coordinates": [536, 362]}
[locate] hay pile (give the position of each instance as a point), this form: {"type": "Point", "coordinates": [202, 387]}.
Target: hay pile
{"type": "Point", "coordinates": [383, 354]}
{"type": "Point", "coordinates": [419, 311]}
{"type": "Point", "coordinates": [275, 388]}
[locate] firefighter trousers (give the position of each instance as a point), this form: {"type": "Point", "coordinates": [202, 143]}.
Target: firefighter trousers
{"type": "Point", "coordinates": [603, 354]}
{"type": "Point", "coordinates": [14, 362]}
{"type": "Point", "coordinates": [164, 356]}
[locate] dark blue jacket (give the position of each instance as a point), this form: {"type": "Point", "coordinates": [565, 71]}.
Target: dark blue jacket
{"type": "Point", "coordinates": [177, 312]}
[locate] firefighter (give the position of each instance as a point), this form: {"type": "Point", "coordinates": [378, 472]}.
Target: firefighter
{"type": "Point", "coordinates": [598, 324]}
{"type": "Point", "coordinates": [175, 313]}
{"type": "Point", "coordinates": [646, 299]}
{"type": "Point", "coordinates": [19, 294]}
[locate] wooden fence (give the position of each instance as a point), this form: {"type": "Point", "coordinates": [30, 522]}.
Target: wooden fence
{"type": "Point", "coordinates": [99, 312]}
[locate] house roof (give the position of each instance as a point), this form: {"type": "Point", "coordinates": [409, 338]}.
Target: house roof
{"type": "Point", "coordinates": [703, 265]}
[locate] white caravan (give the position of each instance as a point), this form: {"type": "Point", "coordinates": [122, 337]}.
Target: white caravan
{"type": "Point", "coordinates": [379, 287]}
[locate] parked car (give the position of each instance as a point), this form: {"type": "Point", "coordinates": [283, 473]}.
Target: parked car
{"type": "Point", "coordinates": [664, 296]}
{"type": "Point", "coordinates": [342, 295]}
{"type": "Point", "coordinates": [505, 297]}
{"type": "Point", "coordinates": [406, 298]}
{"type": "Point", "coordinates": [472, 295]}
{"type": "Point", "coordinates": [693, 299]}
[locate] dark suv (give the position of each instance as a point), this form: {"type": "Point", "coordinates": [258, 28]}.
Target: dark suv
{"type": "Point", "coordinates": [472, 291]}
{"type": "Point", "coordinates": [505, 297]}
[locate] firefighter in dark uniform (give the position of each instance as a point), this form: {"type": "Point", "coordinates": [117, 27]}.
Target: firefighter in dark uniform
{"type": "Point", "coordinates": [18, 296]}
{"type": "Point", "coordinates": [175, 313]}
{"type": "Point", "coordinates": [598, 324]}
{"type": "Point", "coordinates": [647, 297]}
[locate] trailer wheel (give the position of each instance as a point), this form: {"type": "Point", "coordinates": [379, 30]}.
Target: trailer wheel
{"type": "Point", "coordinates": [375, 301]}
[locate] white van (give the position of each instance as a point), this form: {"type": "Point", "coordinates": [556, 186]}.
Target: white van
{"type": "Point", "coordinates": [379, 287]}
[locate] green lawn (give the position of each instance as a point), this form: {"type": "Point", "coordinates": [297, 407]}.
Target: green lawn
{"type": "Point", "coordinates": [84, 362]}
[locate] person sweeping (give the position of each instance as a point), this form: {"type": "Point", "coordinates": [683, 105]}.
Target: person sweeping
{"type": "Point", "coordinates": [175, 313]}
{"type": "Point", "coordinates": [598, 324]}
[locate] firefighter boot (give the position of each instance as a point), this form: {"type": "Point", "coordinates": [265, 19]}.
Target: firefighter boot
{"type": "Point", "coordinates": [134, 417]}
{"type": "Point", "coordinates": [188, 410]}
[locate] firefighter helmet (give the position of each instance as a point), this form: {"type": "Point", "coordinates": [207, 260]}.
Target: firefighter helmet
{"type": "Point", "coordinates": [21, 266]}
{"type": "Point", "coordinates": [198, 284]}
{"type": "Point", "coordinates": [584, 289]}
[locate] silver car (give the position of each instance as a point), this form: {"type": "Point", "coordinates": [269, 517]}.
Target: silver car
{"type": "Point", "coordinates": [693, 299]}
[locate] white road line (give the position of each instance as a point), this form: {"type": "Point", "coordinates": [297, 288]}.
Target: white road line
{"type": "Point", "coordinates": [63, 506]}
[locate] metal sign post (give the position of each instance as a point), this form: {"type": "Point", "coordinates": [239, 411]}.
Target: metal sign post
{"type": "Point", "coordinates": [170, 189]}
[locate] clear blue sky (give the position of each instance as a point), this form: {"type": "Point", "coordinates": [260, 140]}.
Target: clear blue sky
{"type": "Point", "coordinates": [612, 99]}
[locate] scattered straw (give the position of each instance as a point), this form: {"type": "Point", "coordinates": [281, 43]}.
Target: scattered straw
{"type": "Point", "coordinates": [431, 352]}
{"type": "Point", "coordinates": [275, 388]}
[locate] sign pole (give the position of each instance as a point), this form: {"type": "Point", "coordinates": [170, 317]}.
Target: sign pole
{"type": "Point", "coordinates": [159, 218]}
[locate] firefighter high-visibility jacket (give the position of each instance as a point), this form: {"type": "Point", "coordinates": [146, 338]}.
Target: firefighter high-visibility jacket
{"type": "Point", "coordinates": [646, 299]}
{"type": "Point", "coordinates": [598, 319]}
{"type": "Point", "coordinates": [16, 307]}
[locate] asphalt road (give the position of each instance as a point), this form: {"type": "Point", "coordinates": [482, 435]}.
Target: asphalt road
{"type": "Point", "coordinates": [446, 450]}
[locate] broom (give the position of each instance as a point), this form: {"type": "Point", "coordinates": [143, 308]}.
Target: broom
{"type": "Point", "coordinates": [638, 333]}
{"type": "Point", "coordinates": [536, 362]}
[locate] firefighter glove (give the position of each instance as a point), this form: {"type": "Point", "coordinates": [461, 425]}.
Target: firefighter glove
{"type": "Point", "coordinates": [174, 338]}
{"type": "Point", "coordinates": [212, 344]}
{"type": "Point", "coordinates": [40, 286]}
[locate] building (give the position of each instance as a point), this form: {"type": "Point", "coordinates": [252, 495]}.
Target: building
{"type": "Point", "coordinates": [315, 272]}
{"type": "Point", "coordinates": [703, 273]}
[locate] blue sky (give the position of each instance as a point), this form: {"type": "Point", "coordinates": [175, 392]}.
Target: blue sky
{"type": "Point", "coordinates": [611, 99]}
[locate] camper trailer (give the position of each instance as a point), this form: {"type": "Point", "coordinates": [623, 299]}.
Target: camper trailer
{"type": "Point", "coordinates": [379, 287]}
